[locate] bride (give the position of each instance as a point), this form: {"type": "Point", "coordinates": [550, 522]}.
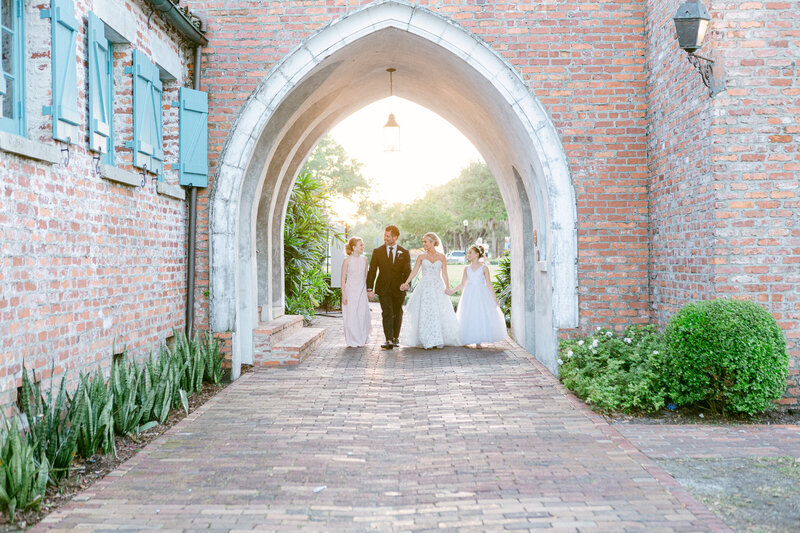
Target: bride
{"type": "Point", "coordinates": [431, 320]}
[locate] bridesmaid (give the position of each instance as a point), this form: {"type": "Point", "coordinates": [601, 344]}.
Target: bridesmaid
{"type": "Point", "coordinates": [355, 305]}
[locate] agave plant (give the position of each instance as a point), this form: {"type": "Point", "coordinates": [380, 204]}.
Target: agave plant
{"type": "Point", "coordinates": [210, 348]}
{"type": "Point", "coordinates": [164, 373]}
{"type": "Point", "coordinates": [53, 433]}
{"type": "Point", "coordinates": [23, 479]}
{"type": "Point", "coordinates": [190, 354]}
{"type": "Point", "coordinates": [93, 405]}
{"type": "Point", "coordinates": [132, 403]}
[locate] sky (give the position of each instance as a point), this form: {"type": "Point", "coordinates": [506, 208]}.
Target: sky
{"type": "Point", "coordinates": [432, 151]}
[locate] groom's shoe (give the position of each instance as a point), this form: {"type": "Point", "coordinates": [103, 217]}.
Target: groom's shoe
{"type": "Point", "coordinates": [396, 343]}
{"type": "Point", "coordinates": [387, 345]}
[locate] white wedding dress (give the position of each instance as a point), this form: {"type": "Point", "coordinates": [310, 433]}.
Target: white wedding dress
{"type": "Point", "coordinates": [430, 320]}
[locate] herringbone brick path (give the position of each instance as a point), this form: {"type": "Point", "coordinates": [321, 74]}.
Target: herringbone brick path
{"type": "Point", "coordinates": [456, 439]}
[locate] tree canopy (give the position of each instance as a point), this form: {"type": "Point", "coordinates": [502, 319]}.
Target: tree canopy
{"type": "Point", "coordinates": [330, 164]}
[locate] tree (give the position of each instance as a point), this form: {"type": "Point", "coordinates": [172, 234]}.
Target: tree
{"type": "Point", "coordinates": [330, 164]}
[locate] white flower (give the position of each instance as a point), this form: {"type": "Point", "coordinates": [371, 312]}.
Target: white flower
{"type": "Point", "coordinates": [655, 352]}
{"type": "Point", "coordinates": [609, 334]}
{"type": "Point", "coordinates": [628, 340]}
{"type": "Point", "coordinates": [594, 343]}
{"type": "Point", "coordinates": [598, 328]}
{"type": "Point", "coordinates": [570, 354]}
{"type": "Point", "coordinates": [580, 342]}
{"type": "Point", "coordinates": [560, 362]}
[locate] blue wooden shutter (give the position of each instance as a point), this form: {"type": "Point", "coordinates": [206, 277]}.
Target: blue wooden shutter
{"type": "Point", "coordinates": [100, 90]}
{"type": "Point", "coordinates": [193, 138]}
{"type": "Point", "coordinates": [157, 132]}
{"type": "Point", "coordinates": [3, 88]}
{"type": "Point", "coordinates": [148, 146]}
{"type": "Point", "coordinates": [64, 64]}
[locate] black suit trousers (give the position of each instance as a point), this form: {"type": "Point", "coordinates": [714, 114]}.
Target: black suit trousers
{"type": "Point", "coordinates": [392, 313]}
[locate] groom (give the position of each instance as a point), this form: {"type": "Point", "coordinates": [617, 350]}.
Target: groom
{"type": "Point", "coordinates": [393, 264]}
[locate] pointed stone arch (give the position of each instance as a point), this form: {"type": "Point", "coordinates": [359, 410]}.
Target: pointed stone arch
{"type": "Point", "coordinates": [340, 69]}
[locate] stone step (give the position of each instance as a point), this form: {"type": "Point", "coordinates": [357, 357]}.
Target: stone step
{"type": "Point", "coordinates": [279, 328]}
{"type": "Point", "coordinates": [293, 350]}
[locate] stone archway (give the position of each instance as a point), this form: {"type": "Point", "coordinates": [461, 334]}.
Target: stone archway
{"type": "Point", "coordinates": [340, 69]}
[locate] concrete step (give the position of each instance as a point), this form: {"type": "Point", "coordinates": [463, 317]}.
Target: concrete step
{"type": "Point", "coordinates": [267, 334]}
{"type": "Point", "coordinates": [293, 350]}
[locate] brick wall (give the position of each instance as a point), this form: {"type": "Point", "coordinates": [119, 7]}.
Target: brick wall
{"type": "Point", "coordinates": [756, 162]}
{"type": "Point", "coordinates": [679, 168]}
{"type": "Point", "coordinates": [723, 171]}
{"type": "Point", "coordinates": [680, 197]}
{"type": "Point", "coordinates": [89, 266]}
{"type": "Point", "coordinates": [585, 61]}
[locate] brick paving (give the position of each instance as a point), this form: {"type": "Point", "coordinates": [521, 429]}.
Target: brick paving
{"type": "Point", "coordinates": [456, 439]}
{"type": "Point", "coordinates": [670, 441]}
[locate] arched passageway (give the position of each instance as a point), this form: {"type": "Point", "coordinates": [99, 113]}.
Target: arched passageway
{"type": "Point", "coordinates": [340, 69]}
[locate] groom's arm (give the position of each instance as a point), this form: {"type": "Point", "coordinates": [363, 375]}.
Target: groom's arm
{"type": "Point", "coordinates": [406, 269]}
{"type": "Point", "coordinates": [373, 267]}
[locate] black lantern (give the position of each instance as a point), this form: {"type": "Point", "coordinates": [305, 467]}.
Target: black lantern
{"type": "Point", "coordinates": [691, 24]}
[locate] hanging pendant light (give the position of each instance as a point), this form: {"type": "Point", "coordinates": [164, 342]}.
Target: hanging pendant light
{"type": "Point", "coordinates": [391, 130]}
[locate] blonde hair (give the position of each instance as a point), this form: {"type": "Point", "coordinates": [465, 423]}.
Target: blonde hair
{"type": "Point", "coordinates": [432, 237]}
{"type": "Point", "coordinates": [351, 244]}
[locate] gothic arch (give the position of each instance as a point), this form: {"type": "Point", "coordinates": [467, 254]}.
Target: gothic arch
{"type": "Point", "coordinates": [340, 69]}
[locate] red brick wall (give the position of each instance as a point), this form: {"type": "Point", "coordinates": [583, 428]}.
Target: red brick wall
{"type": "Point", "coordinates": [86, 264]}
{"type": "Point", "coordinates": [723, 171]}
{"type": "Point", "coordinates": [679, 168]}
{"type": "Point", "coordinates": [585, 61]}
{"type": "Point", "coordinates": [756, 162]}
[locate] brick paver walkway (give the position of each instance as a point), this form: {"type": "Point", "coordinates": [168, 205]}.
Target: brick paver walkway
{"type": "Point", "coordinates": [670, 441]}
{"type": "Point", "coordinates": [404, 440]}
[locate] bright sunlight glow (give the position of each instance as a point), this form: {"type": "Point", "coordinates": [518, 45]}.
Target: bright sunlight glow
{"type": "Point", "coordinates": [432, 151]}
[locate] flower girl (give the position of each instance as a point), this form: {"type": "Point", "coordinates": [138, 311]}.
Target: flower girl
{"type": "Point", "coordinates": [479, 315]}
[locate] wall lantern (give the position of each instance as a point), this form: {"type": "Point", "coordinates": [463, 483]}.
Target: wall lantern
{"type": "Point", "coordinates": [391, 130]}
{"type": "Point", "coordinates": [691, 25]}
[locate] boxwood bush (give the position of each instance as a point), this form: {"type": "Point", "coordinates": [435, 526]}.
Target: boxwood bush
{"type": "Point", "coordinates": [728, 354]}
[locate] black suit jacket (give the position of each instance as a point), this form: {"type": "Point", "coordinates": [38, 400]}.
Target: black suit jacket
{"type": "Point", "coordinates": [390, 276]}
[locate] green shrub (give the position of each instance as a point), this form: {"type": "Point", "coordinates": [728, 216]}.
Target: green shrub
{"type": "Point", "coordinates": [23, 479]}
{"type": "Point", "coordinates": [305, 243]}
{"type": "Point", "coordinates": [502, 287]}
{"type": "Point", "coordinates": [614, 373]}
{"type": "Point", "coordinates": [728, 354]}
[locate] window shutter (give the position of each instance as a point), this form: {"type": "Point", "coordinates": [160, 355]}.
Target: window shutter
{"type": "Point", "coordinates": [157, 132]}
{"type": "Point", "coordinates": [64, 64]}
{"type": "Point", "coordinates": [148, 147]}
{"type": "Point", "coordinates": [3, 54]}
{"type": "Point", "coordinates": [100, 87]}
{"type": "Point", "coordinates": [193, 138]}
